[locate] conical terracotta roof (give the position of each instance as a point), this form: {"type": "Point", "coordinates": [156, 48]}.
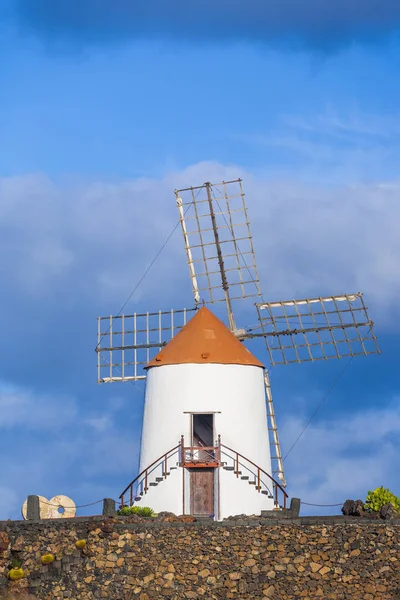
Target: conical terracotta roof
{"type": "Point", "coordinates": [204, 339]}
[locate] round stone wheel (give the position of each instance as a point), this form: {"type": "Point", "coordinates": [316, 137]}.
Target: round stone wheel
{"type": "Point", "coordinates": [62, 507]}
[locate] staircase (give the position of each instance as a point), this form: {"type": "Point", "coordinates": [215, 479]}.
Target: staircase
{"type": "Point", "coordinates": [220, 456]}
{"type": "Point", "coordinates": [249, 481]}
{"type": "Point", "coordinates": [248, 471]}
{"type": "Point", "coordinates": [152, 476]}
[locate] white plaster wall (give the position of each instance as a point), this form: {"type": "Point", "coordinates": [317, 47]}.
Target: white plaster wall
{"type": "Point", "coordinates": [237, 394]}
{"type": "Point", "coordinates": [238, 497]}
{"type": "Point", "coordinates": [167, 495]}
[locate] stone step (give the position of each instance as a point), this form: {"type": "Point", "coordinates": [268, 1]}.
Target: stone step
{"type": "Point", "coordinates": [245, 477]}
{"type": "Point", "coordinates": [203, 519]}
{"type": "Point", "coordinates": [153, 483]}
{"type": "Point", "coordinates": [232, 469]}
{"type": "Point", "coordinates": [158, 479]}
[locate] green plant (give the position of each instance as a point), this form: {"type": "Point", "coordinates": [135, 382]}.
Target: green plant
{"type": "Point", "coordinates": [141, 511]}
{"type": "Point", "coordinates": [379, 497]}
{"type": "Point", "coordinates": [15, 563]}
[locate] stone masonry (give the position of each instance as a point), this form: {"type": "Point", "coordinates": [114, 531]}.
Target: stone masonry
{"type": "Point", "coordinates": [336, 558]}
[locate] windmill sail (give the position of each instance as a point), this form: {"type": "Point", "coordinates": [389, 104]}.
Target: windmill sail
{"type": "Point", "coordinates": [314, 329]}
{"type": "Point", "coordinates": [126, 343]}
{"type": "Point", "coordinates": [218, 243]}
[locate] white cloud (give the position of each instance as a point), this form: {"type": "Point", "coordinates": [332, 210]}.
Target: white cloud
{"type": "Point", "coordinates": [346, 126]}
{"type": "Point", "coordinates": [23, 408]}
{"type": "Point", "coordinates": [100, 422]}
{"type": "Point", "coordinates": [50, 446]}
{"type": "Point", "coordinates": [332, 148]}
{"type": "Point", "coordinates": [96, 240]}
{"type": "Point", "coordinates": [317, 241]}
{"type": "Point", "coordinates": [344, 457]}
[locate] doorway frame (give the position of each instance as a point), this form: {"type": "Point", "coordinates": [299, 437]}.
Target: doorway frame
{"type": "Point", "coordinates": [192, 415]}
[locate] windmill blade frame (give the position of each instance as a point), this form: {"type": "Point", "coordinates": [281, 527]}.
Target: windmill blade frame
{"type": "Point", "coordinates": [127, 343]}
{"type": "Point", "coordinates": [218, 244]}
{"type": "Point", "coordinates": [312, 329]}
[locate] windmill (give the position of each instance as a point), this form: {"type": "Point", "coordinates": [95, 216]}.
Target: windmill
{"type": "Point", "coordinates": [223, 270]}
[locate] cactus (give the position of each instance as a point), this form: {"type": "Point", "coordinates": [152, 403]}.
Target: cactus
{"type": "Point", "coordinates": [379, 497]}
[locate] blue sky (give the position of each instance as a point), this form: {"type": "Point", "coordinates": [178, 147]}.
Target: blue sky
{"type": "Point", "coordinates": [100, 120]}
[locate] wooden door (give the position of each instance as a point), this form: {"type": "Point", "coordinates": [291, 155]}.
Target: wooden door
{"type": "Point", "coordinates": [202, 492]}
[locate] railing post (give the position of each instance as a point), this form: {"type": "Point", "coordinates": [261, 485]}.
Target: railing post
{"type": "Point", "coordinates": [182, 452]}
{"type": "Point", "coordinates": [122, 501]}
{"type": "Point", "coordinates": [276, 496]}
{"type": "Point", "coordinates": [258, 480]}
{"type": "Point", "coordinates": [145, 482]}
{"type": "Point", "coordinates": [165, 467]}
{"type": "Point", "coordinates": [219, 449]}
{"type": "Point", "coordinates": [237, 464]}
{"type": "Point", "coordinates": [131, 496]}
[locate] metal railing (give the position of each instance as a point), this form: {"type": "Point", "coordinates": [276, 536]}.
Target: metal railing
{"type": "Point", "coordinates": [143, 477]}
{"type": "Point", "coordinates": [258, 471]}
{"type": "Point", "coordinates": [192, 456]}
{"type": "Point", "coordinates": [200, 455]}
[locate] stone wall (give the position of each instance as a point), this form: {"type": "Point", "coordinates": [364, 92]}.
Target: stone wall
{"type": "Point", "coordinates": [128, 558]}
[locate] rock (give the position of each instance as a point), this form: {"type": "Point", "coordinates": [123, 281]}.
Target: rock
{"type": "Point", "coordinates": [354, 508]}
{"type": "Point", "coordinates": [4, 541]}
{"type": "Point", "coordinates": [348, 507]}
{"type": "Point", "coordinates": [132, 519]}
{"type": "Point", "coordinates": [250, 562]}
{"type": "Point", "coordinates": [18, 545]}
{"type": "Point", "coordinates": [107, 526]}
{"type": "Point", "coordinates": [204, 573]}
{"type": "Point", "coordinates": [269, 592]}
{"type": "Point", "coordinates": [359, 510]}
{"type": "Point", "coordinates": [388, 511]}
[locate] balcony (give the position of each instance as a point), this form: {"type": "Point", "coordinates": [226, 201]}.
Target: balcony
{"type": "Point", "coordinates": [197, 457]}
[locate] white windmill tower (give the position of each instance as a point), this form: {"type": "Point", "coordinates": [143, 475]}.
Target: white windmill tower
{"type": "Point", "coordinates": [209, 441]}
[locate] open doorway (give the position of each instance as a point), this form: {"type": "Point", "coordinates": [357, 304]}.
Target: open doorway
{"type": "Point", "coordinates": [203, 430]}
